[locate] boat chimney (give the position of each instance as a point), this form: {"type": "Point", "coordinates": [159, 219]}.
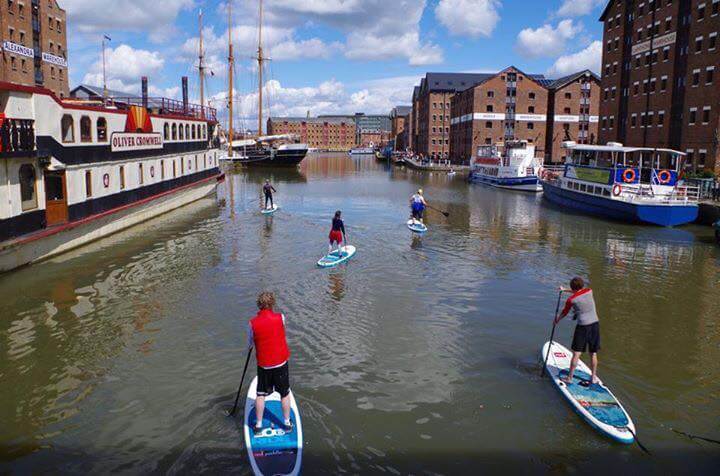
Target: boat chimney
{"type": "Point", "coordinates": [144, 87]}
{"type": "Point", "coordinates": [185, 93]}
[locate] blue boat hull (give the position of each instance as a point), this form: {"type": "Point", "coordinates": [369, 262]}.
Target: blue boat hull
{"type": "Point", "coordinates": [516, 183]}
{"type": "Point", "coordinates": [661, 215]}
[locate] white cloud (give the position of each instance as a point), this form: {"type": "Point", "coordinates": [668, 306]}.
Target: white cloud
{"type": "Point", "coordinates": [468, 17]}
{"type": "Point", "coordinates": [363, 46]}
{"type": "Point", "coordinates": [295, 50]}
{"type": "Point", "coordinates": [576, 8]}
{"type": "Point", "coordinates": [546, 40]}
{"type": "Point", "coordinates": [589, 58]}
{"type": "Point", "coordinates": [125, 66]}
{"type": "Point", "coordinates": [106, 16]}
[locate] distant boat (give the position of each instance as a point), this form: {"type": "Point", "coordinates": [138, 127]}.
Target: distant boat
{"type": "Point", "coordinates": [516, 169]}
{"type": "Point", "coordinates": [358, 151]}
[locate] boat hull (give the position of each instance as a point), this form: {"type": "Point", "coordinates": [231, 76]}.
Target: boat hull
{"type": "Point", "coordinates": [54, 241]}
{"type": "Point", "coordinates": [652, 214]}
{"type": "Point", "coordinates": [278, 158]}
{"type": "Point", "coordinates": [524, 184]}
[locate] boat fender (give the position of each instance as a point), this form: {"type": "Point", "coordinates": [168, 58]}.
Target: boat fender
{"type": "Point", "coordinates": [664, 177]}
{"type": "Point", "coordinates": [617, 190]}
{"type": "Point", "coordinates": [629, 175]}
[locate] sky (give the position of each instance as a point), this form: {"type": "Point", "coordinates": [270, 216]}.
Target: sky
{"type": "Point", "coordinates": [327, 56]}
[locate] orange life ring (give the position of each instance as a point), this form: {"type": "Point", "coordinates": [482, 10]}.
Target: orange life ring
{"type": "Point", "coordinates": [617, 190]}
{"type": "Point", "coordinates": [629, 175]}
{"type": "Point", "coordinates": [664, 177]}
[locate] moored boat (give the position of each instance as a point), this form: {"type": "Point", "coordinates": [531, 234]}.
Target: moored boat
{"type": "Point", "coordinates": [516, 168]}
{"type": "Point", "coordinates": [633, 184]}
{"type": "Point", "coordinates": [72, 172]}
{"type": "Point", "coordinates": [360, 151]}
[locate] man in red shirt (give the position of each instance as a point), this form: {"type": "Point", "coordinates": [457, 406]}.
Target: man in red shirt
{"type": "Point", "coordinates": [266, 332]}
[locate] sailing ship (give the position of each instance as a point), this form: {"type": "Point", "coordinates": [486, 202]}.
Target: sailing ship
{"type": "Point", "coordinates": [275, 150]}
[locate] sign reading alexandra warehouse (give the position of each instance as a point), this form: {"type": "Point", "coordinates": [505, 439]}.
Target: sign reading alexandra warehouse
{"type": "Point", "coordinates": [58, 60]}
{"type": "Point", "coordinates": [659, 42]}
{"type": "Point", "coordinates": [21, 50]}
{"type": "Point", "coordinates": [127, 141]}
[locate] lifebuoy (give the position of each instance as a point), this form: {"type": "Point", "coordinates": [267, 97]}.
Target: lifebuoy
{"type": "Point", "coordinates": [617, 190]}
{"type": "Point", "coordinates": [629, 175]}
{"type": "Point", "coordinates": [664, 177]}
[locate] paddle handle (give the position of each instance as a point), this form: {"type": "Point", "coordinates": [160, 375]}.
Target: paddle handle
{"type": "Point", "coordinates": [242, 379]}
{"type": "Point", "coordinates": [552, 333]}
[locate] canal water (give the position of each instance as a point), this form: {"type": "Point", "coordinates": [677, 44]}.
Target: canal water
{"type": "Point", "coordinates": [419, 356]}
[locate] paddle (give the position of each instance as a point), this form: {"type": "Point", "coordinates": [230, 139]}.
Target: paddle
{"type": "Point", "coordinates": [438, 210]}
{"type": "Point", "coordinates": [237, 399]}
{"type": "Point", "coordinates": [642, 447]}
{"type": "Point", "coordinates": [695, 437]}
{"type": "Point", "coordinates": [552, 333]}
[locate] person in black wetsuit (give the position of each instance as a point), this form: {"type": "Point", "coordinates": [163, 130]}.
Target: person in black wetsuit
{"type": "Point", "coordinates": [337, 233]}
{"type": "Point", "coordinates": [268, 190]}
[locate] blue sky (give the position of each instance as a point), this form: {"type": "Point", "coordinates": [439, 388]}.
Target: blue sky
{"type": "Point", "coordinates": [329, 56]}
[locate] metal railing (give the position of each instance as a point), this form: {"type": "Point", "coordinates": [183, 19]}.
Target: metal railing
{"type": "Point", "coordinates": [680, 193]}
{"type": "Point", "coordinates": [167, 106]}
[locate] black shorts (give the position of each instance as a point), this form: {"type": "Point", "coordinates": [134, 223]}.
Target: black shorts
{"type": "Point", "coordinates": [273, 380]}
{"type": "Point", "coordinates": [587, 338]}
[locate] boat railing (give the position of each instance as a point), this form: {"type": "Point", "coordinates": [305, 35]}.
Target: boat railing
{"type": "Point", "coordinates": [17, 135]}
{"type": "Point", "coordinates": [551, 173]}
{"type": "Point", "coordinates": [678, 194]}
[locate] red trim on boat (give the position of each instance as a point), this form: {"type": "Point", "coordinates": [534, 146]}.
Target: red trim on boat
{"type": "Point", "coordinates": [69, 226]}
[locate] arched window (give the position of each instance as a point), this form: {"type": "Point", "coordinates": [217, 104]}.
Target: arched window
{"type": "Point", "coordinates": [174, 132]}
{"type": "Point", "coordinates": [167, 131]}
{"type": "Point", "coordinates": [194, 132]}
{"type": "Point", "coordinates": [182, 133]}
{"type": "Point", "coordinates": [88, 184]}
{"type": "Point", "coordinates": [28, 190]}
{"type": "Point", "coordinates": [141, 175]}
{"type": "Point", "coordinates": [85, 129]}
{"type": "Point", "coordinates": [122, 178]}
{"type": "Point", "coordinates": [204, 129]}
{"type": "Point", "coordinates": [187, 131]}
{"type": "Point", "coordinates": [162, 170]}
{"type": "Point", "coordinates": [174, 169]}
{"type": "Point", "coordinates": [102, 129]}
{"type": "Point", "coordinates": [68, 128]}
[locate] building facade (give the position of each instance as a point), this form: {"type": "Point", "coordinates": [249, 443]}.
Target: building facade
{"type": "Point", "coordinates": [323, 133]}
{"type": "Point", "coordinates": [34, 44]}
{"type": "Point", "coordinates": [660, 85]}
{"type": "Point", "coordinates": [573, 113]}
{"type": "Point", "coordinates": [509, 105]}
{"type": "Point", "coordinates": [399, 119]}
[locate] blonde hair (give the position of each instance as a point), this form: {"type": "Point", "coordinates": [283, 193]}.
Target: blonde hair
{"type": "Point", "coordinates": [266, 300]}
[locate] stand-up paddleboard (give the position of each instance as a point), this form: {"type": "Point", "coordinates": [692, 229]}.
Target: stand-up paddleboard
{"type": "Point", "coordinates": [595, 403]}
{"type": "Point", "coordinates": [269, 211]}
{"type": "Point", "coordinates": [416, 226]}
{"type": "Point", "coordinates": [274, 451]}
{"type": "Point", "coordinates": [335, 258]}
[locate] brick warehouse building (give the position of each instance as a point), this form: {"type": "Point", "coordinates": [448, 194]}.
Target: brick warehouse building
{"type": "Point", "coordinates": [324, 133]}
{"type": "Point", "coordinates": [660, 85]}
{"type": "Point", "coordinates": [398, 120]}
{"type": "Point", "coordinates": [34, 44]}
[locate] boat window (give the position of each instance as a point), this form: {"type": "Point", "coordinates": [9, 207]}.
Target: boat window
{"type": "Point", "coordinates": [162, 170]}
{"type": "Point", "coordinates": [88, 184]}
{"type": "Point", "coordinates": [85, 129]}
{"type": "Point", "coordinates": [182, 165]}
{"type": "Point", "coordinates": [174, 169]}
{"type": "Point", "coordinates": [194, 132]}
{"type": "Point", "coordinates": [606, 192]}
{"type": "Point", "coordinates": [181, 136]}
{"type": "Point", "coordinates": [122, 178]}
{"type": "Point", "coordinates": [68, 129]}
{"type": "Point", "coordinates": [101, 129]}
{"type": "Point", "coordinates": [28, 190]}
{"type": "Point", "coordinates": [583, 187]}
{"type": "Point", "coordinates": [166, 132]}
{"type": "Point", "coordinates": [141, 175]}
{"type": "Point", "coordinates": [187, 131]}
{"type": "Point", "coordinates": [174, 132]}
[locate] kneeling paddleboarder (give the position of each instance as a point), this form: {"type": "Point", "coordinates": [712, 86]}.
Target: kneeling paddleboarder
{"type": "Point", "coordinates": [587, 331]}
{"type": "Point", "coordinates": [266, 332]}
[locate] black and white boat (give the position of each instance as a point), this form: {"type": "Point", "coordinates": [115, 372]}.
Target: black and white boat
{"type": "Point", "coordinates": [279, 150]}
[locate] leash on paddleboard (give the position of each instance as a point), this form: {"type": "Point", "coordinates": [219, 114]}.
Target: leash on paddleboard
{"type": "Point", "coordinates": [438, 210]}
{"type": "Point", "coordinates": [242, 379]}
{"type": "Point", "coordinates": [696, 437]}
{"type": "Point", "coordinates": [552, 333]}
{"type": "Point", "coordinates": [642, 447]}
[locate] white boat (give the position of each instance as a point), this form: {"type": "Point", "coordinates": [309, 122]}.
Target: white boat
{"type": "Point", "coordinates": [358, 151]}
{"type": "Point", "coordinates": [633, 184]}
{"type": "Point", "coordinates": [516, 168]}
{"type": "Point", "coordinates": [72, 173]}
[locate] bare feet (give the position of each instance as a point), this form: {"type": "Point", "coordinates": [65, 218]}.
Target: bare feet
{"type": "Point", "coordinates": [567, 379]}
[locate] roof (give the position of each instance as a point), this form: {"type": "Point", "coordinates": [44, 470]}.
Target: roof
{"type": "Point", "coordinates": [538, 78]}
{"type": "Point", "coordinates": [400, 111]}
{"type": "Point", "coordinates": [315, 120]}
{"type": "Point", "coordinates": [559, 83]}
{"type": "Point", "coordinates": [620, 148]}
{"type": "Point", "coordinates": [606, 10]}
{"type": "Point", "coordinates": [98, 91]}
{"type": "Point", "coordinates": [452, 81]}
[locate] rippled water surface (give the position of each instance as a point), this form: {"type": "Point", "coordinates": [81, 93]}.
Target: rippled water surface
{"type": "Point", "coordinates": [418, 356]}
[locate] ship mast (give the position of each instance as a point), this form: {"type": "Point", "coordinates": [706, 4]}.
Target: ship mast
{"type": "Point", "coordinates": [260, 60]}
{"type": "Point", "coordinates": [201, 69]}
{"type": "Point", "coordinates": [231, 67]}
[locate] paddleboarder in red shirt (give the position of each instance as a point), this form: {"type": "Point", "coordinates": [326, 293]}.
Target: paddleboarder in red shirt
{"type": "Point", "coordinates": [266, 332]}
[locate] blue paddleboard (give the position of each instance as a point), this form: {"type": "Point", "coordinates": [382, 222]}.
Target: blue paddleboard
{"type": "Point", "coordinates": [416, 226]}
{"type": "Point", "coordinates": [335, 258]}
{"type": "Point", "coordinates": [595, 403]}
{"type": "Point", "coordinates": [274, 451]}
{"type": "Point", "coordinates": [269, 211]}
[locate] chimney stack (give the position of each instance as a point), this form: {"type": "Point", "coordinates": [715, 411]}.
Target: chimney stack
{"type": "Point", "coordinates": [144, 86]}
{"type": "Point", "coordinates": [185, 93]}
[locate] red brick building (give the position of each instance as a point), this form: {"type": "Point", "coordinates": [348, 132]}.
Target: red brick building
{"type": "Point", "coordinates": [34, 44]}
{"type": "Point", "coordinates": [398, 119]}
{"type": "Point", "coordinates": [660, 85]}
{"type": "Point", "coordinates": [329, 133]}
{"type": "Point", "coordinates": [573, 109]}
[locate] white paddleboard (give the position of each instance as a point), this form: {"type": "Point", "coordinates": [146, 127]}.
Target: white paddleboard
{"type": "Point", "coordinates": [335, 258]}
{"type": "Point", "coordinates": [595, 403]}
{"type": "Point", "coordinates": [269, 211]}
{"type": "Point", "coordinates": [416, 227]}
{"type": "Point", "coordinates": [274, 451]}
